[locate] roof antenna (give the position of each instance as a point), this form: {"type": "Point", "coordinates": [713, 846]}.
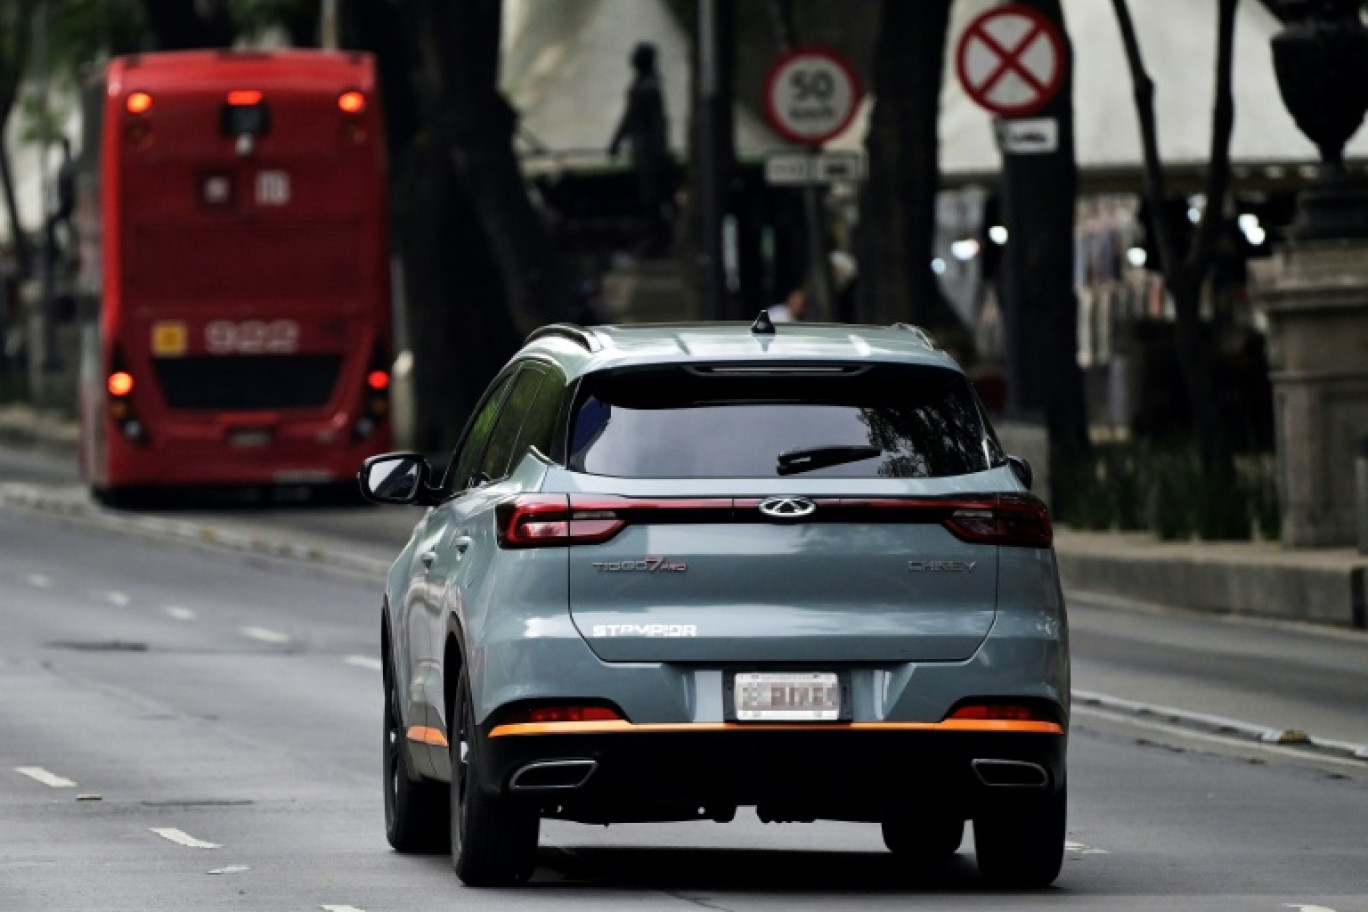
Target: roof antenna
{"type": "Point", "coordinates": [763, 325]}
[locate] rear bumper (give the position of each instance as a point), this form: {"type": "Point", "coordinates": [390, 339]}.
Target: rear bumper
{"type": "Point", "coordinates": [295, 456]}
{"type": "Point", "coordinates": [839, 772]}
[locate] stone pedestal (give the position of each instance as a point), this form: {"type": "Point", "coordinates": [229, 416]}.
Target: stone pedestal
{"type": "Point", "coordinates": [1316, 296]}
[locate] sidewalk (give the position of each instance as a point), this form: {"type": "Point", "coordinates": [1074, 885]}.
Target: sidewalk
{"type": "Point", "coordinates": [1261, 579]}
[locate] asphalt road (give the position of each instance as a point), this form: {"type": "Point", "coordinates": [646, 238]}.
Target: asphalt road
{"type": "Point", "coordinates": [195, 696]}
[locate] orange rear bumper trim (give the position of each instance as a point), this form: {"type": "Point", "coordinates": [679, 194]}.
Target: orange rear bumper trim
{"type": "Point", "coordinates": [622, 727]}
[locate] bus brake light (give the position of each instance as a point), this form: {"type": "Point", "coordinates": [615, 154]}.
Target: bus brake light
{"type": "Point", "coordinates": [378, 380]}
{"type": "Point", "coordinates": [120, 383]}
{"type": "Point", "coordinates": [244, 97]}
{"type": "Point", "coordinates": [351, 102]}
{"type": "Point", "coordinates": [138, 103]}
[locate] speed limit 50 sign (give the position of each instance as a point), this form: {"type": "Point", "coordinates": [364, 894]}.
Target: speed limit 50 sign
{"type": "Point", "coordinates": [811, 95]}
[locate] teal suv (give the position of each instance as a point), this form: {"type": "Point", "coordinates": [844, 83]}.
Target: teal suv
{"type": "Point", "coordinates": [675, 570]}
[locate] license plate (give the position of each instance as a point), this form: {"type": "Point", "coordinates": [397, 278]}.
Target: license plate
{"type": "Point", "coordinates": [250, 439]}
{"type": "Point", "coordinates": [783, 696]}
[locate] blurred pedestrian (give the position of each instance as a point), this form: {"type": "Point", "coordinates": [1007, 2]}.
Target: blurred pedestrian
{"type": "Point", "coordinates": [644, 126]}
{"type": "Point", "coordinates": [791, 309]}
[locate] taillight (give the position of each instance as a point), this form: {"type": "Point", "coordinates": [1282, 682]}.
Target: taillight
{"type": "Point", "coordinates": [1005, 519]}
{"type": "Point", "coordinates": [351, 102]}
{"type": "Point", "coordinates": [568, 713]}
{"type": "Point", "coordinates": [539, 520]}
{"type": "Point", "coordinates": [1006, 711]}
{"type": "Point", "coordinates": [120, 384]}
{"type": "Point", "coordinates": [374, 398]}
{"type": "Point", "coordinates": [244, 97]}
{"type": "Point", "coordinates": [138, 103]}
{"type": "Point", "coordinates": [548, 520]}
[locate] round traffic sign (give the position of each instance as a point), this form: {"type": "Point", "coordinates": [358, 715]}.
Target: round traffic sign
{"type": "Point", "coordinates": [1011, 60]}
{"type": "Point", "coordinates": [811, 95]}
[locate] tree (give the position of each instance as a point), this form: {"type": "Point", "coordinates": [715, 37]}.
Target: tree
{"type": "Point", "coordinates": [15, 20]}
{"type": "Point", "coordinates": [1185, 271]}
{"type": "Point", "coordinates": [898, 203]}
{"type": "Point", "coordinates": [460, 45]}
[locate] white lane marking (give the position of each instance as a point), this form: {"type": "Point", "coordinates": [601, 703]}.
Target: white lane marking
{"type": "Point", "coordinates": [1301, 908]}
{"type": "Point", "coordinates": [332, 908]}
{"type": "Point", "coordinates": [116, 598]}
{"type": "Point", "coordinates": [1082, 849]}
{"type": "Point", "coordinates": [179, 613]}
{"type": "Point", "coordinates": [180, 837]}
{"type": "Point", "coordinates": [265, 635]}
{"type": "Point", "coordinates": [38, 774]}
{"type": "Point", "coordinates": [1194, 734]}
{"type": "Point", "coordinates": [363, 662]}
{"type": "Point", "coordinates": [38, 581]}
{"type": "Point", "coordinates": [231, 869]}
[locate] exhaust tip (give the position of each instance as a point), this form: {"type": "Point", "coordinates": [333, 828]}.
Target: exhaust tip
{"type": "Point", "coordinates": [552, 774]}
{"type": "Point", "coordinates": [1010, 774]}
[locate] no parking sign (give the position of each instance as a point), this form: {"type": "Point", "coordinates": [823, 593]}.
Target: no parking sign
{"type": "Point", "coordinates": [1011, 60]}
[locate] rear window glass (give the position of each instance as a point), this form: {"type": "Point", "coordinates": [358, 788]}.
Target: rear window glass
{"type": "Point", "coordinates": [852, 421]}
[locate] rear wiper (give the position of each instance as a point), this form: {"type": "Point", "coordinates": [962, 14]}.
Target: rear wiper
{"type": "Point", "coordinates": [794, 462]}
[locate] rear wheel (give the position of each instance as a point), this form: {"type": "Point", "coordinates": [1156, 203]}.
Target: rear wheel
{"type": "Point", "coordinates": [1021, 844]}
{"type": "Point", "coordinates": [493, 839]}
{"type": "Point", "coordinates": [925, 838]}
{"type": "Point", "coordinates": [415, 808]}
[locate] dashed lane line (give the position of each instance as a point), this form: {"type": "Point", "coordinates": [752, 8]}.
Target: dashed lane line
{"type": "Point", "coordinates": [38, 774]}
{"type": "Point", "coordinates": [180, 837]}
{"type": "Point", "coordinates": [179, 613]}
{"type": "Point", "coordinates": [264, 635]}
{"type": "Point", "coordinates": [121, 599]}
{"type": "Point", "coordinates": [39, 581]}
{"type": "Point", "coordinates": [363, 662]}
{"type": "Point", "coordinates": [332, 908]}
{"type": "Point", "coordinates": [1082, 849]}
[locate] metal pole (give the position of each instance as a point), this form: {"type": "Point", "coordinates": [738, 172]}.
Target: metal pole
{"type": "Point", "coordinates": [327, 25]}
{"type": "Point", "coordinates": [712, 164]}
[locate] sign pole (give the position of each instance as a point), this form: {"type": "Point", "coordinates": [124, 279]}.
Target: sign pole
{"type": "Point", "coordinates": [811, 95]}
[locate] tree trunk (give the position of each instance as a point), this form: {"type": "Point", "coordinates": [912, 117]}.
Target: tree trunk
{"type": "Point", "coordinates": [460, 43]}
{"type": "Point", "coordinates": [456, 329]}
{"type": "Point", "coordinates": [1185, 272]}
{"type": "Point", "coordinates": [178, 25]}
{"type": "Point", "coordinates": [14, 33]}
{"type": "Point", "coordinates": [898, 205]}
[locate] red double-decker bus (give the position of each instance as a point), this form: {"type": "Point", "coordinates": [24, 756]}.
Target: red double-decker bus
{"type": "Point", "coordinates": [236, 261]}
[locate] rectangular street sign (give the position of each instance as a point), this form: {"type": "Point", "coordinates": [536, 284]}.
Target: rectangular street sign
{"type": "Point", "coordinates": [1029, 135]}
{"type": "Point", "coordinates": [799, 169]}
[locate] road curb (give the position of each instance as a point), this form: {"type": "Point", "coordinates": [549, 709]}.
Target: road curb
{"type": "Point", "coordinates": [25, 497]}
{"type": "Point", "coordinates": [1223, 726]}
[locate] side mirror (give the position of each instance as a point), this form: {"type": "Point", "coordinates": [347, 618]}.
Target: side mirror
{"type": "Point", "coordinates": [1022, 469]}
{"type": "Point", "coordinates": [395, 478]}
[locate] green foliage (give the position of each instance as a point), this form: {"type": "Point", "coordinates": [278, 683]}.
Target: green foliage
{"type": "Point", "coordinates": [1163, 488]}
{"type": "Point", "coordinates": [81, 33]}
{"type": "Point", "coordinates": [253, 17]}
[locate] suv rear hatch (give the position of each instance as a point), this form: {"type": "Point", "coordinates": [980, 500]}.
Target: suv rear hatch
{"type": "Point", "coordinates": [831, 515]}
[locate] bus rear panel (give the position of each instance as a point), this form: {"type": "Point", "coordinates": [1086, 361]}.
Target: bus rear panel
{"type": "Point", "coordinates": [244, 320]}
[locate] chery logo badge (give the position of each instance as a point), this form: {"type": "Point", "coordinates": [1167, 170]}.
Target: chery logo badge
{"type": "Point", "coordinates": [787, 507]}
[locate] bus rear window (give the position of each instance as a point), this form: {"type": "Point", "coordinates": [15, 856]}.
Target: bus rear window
{"type": "Point", "coordinates": [247, 382]}
{"type": "Point", "coordinates": [887, 421]}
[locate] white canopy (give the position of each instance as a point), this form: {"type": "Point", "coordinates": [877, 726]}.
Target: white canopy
{"type": "Point", "coordinates": [1178, 42]}
{"type": "Point", "coordinates": [565, 68]}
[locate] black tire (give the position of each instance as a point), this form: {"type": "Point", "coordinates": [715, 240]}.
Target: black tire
{"type": "Point", "coordinates": [925, 838]}
{"type": "Point", "coordinates": [415, 808]}
{"type": "Point", "coordinates": [493, 839]}
{"type": "Point", "coordinates": [1021, 844]}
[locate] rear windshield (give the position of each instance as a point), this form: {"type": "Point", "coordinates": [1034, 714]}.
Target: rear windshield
{"type": "Point", "coordinates": [850, 421]}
